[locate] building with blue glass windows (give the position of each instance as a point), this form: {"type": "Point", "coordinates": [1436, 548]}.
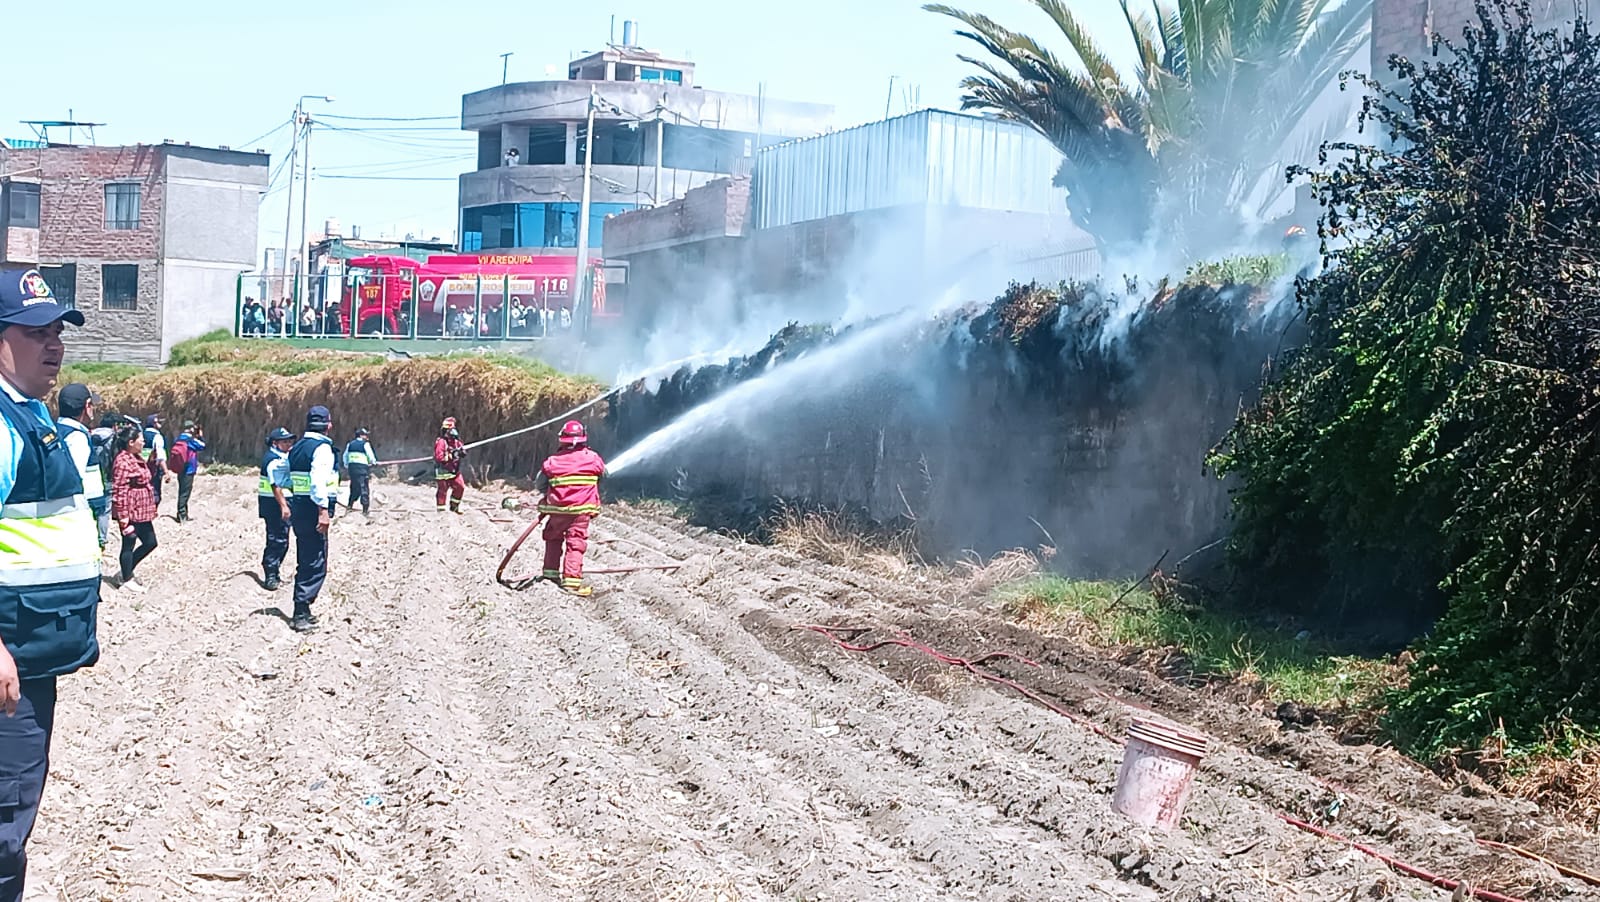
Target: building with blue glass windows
{"type": "Point", "coordinates": [657, 134]}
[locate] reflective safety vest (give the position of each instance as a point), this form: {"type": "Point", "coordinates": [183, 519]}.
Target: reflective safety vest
{"type": "Point", "coordinates": [358, 454]}
{"type": "Point", "coordinates": [94, 483]}
{"type": "Point", "coordinates": [266, 504]}
{"type": "Point", "coordinates": [150, 438]}
{"type": "Point", "coordinates": [447, 468]}
{"type": "Point", "coordinates": [300, 457]}
{"type": "Point", "coordinates": [49, 556]}
{"type": "Point", "coordinates": [574, 478]}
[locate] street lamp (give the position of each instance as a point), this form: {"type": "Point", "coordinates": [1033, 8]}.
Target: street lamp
{"type": "Point", "coordinates": [300, 121]}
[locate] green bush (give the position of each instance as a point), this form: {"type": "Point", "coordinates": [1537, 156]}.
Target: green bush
{"type": "Point", "coordinates": [1434, 447]}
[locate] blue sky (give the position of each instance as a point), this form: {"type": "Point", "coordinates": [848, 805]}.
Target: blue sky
{"type": "Point", "coordinates": [226, 72]}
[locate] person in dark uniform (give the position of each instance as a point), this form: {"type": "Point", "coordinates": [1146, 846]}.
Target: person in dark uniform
{"type": "Point", "coordinates": [52, 555]}
{"type": "Point", "coordinates": [312, 470]}
{"type": "Point", "coordinates": [358, 460]}
{"type": "Point", "coordinates": [272, 504]}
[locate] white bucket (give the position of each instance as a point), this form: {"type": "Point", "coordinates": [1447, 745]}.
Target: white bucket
{"type": "Point", "coordinates": [1158, 766]}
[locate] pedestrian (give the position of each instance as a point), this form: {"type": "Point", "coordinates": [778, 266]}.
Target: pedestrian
{"type": "Point", "coordinates": [359, 458]}
{"type": "Point", "coordinates": [187, 446]}
{"type": "Point", "coordinates": [75, 406]}
{"type": "Point", "coordinates": [570, 482]}
{"type": "Point", "coordinates": [333, 482]}
{"type": "Point", "coordinates": [155, 453]}
{"type": "Point", "coordinates": [49, 557]}
{"type": "Point", "coordinates": [100, 439]}
{"type": "Point", "coordinates": [275, 318]}
{"type": "Point", "coordinates": [272, 504]}
{"type": "Point", "coordinates": [311, 468]}
{"type": "Point", "coordinates": [133, 504]}
{"type": "Point", "coordinates": [448, 453]}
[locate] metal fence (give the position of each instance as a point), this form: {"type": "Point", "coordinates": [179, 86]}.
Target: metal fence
{"type": "Point", "coordinates": [398, 306]}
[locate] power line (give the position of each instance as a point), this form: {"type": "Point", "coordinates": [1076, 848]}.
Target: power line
{"type": "Point", "coordinates": [265, 135]}
{"type": "Point", "coordinates": [389, 118]}
{"type": "Point", "coordinates": [392, 178]}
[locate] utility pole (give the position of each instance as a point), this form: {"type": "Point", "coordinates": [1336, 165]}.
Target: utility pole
{"type": "Point", "coordinates": [305, 186]}
{"type": "Point", "coordinates": [660, 132]}
{"type": "Point", "coordinates": [288, 203]}
{"type": "Point", "coordinates": [505, 59]}
{"type": "Point", "coordinates": [583, 298]}
{"type": "Point", "coordinates": [300, 121]}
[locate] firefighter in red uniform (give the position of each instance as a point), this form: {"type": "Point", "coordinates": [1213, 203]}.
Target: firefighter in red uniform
{"type": "Point", "coordinates": [570, 481]}
{"type": "Point", "coordinates": [447, 454]}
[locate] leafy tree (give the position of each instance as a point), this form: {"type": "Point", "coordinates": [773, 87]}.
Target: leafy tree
{"type": "Point", "coordinates": [1437, 437]}
{"type": "Point", "coordinates": [1185, 145]}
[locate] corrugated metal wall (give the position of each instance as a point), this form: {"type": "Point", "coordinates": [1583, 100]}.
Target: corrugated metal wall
{"type": "Point", "coordinates": [930, 157]}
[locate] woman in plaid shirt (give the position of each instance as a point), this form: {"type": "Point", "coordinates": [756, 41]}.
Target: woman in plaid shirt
{"type": "Point", "coordinates": [133, 502]}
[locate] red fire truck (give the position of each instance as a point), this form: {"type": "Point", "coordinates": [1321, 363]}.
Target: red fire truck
{"type": "Point", "coordinates": [485, 295]}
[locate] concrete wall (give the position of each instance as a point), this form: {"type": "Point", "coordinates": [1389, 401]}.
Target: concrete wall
{"type": "Point", "coordinates": [212, 214]}
{"type": "Point", "coordinates": [554, 100]}
{"type": "Point", "coordinates": [548, 184]}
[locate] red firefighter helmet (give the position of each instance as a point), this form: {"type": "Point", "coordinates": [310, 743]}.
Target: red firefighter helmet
{"type": "Point", "coordinates": [449, 423]}
{"type": "Point", "coordinates": [572, 433]}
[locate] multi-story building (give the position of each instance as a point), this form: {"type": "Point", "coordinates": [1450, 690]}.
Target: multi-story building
{"type": "Point", "coordinates": [657, 135]}
{"type": "Point", "coordinates": [148, 240]}
{"type": "Point", "coordinates": [1406, 27]}
{"type": "Point", "coordinates": [911, 206]}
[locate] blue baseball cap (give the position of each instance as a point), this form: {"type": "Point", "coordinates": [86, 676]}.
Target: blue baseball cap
{"type": "Point", "coordinates": [25, 300]}
{"type": "Point", "coordinates": [318, 416]}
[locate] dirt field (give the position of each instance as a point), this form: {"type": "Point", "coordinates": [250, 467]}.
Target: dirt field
{"type": "Point", "coordinates": [671, 738]}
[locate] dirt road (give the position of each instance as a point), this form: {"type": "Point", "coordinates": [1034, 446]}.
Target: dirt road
{"type": "Point", "coordinates": [673, 737]}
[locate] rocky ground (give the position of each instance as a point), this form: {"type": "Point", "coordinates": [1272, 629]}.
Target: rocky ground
{"type": "Point", "coordinates": [673, 737]}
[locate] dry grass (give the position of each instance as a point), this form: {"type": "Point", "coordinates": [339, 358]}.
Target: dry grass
{"type": "Point", "coordinates": [835, 538]}
{"type": "Point", "coordinates": [1565, 785]}
{"type": "Point", "coordinates": [401, 401]}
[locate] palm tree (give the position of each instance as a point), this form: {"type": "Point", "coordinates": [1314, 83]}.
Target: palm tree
{"type": "Point", "coordinates": [1189, 142]}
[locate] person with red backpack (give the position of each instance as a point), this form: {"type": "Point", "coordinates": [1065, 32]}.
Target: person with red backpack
{"type": "Point", "coordinates": [184, 461]}
{"type": "Point", "coordinates": [570, 481]}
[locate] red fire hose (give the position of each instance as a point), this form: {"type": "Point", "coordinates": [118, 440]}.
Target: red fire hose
{"type": "Point", "coordinates": [499, 573]}
{"type": "Point", "coordinates": [970, 665]}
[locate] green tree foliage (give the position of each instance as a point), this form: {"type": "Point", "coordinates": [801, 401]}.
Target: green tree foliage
{"type": "Point", "coordinates": [1185, 143]}
{"type": "Point", "coordinates": [1434, 444]}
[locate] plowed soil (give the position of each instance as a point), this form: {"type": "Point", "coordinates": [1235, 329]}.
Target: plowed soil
{"type": "Point", "coordinates": [672, 737]}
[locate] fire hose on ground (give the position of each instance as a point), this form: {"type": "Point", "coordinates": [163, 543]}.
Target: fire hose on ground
{"type": "Point", "coordinates": [971, 666]}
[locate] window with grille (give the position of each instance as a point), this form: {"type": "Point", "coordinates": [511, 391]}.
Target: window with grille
{"type": "Point", "coordinates": [23, 201]}
{"type": "Point", "coordinates": [122, 205]}
{"type": "Point", "coordinates": [119, 286]}
{"type": "Point", "coordinates": [63, 281]}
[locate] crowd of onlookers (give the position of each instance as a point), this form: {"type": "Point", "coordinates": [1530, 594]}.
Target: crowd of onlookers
{"type": "Point", "coordinates": [278, 320]}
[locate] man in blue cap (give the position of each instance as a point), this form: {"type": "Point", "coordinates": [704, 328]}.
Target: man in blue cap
{"type": "Point", "coordinates": [312, 468]}
{"type": "Point", "coordinates": [49, 566]}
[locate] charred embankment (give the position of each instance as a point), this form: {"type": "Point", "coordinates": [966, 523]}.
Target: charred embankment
{"type": "Point", "coordinates": [988, 428]}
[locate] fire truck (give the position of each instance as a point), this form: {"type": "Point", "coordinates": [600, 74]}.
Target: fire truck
{"type": "Point", "coordinates": [484, 295]}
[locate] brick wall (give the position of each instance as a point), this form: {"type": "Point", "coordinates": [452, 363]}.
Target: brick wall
{"type": "Point", "coordinates": [72, 229]}
{"type": "Point", "coordinates": [1406, 27]}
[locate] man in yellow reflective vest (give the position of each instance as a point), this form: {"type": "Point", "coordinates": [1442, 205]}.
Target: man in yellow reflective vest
{"type": "Point", "coordinates": [49, 559]}
{"type": "Point", "coordinates": [312, 467]}
{"type": "Point", "coordinates": [359, 458]}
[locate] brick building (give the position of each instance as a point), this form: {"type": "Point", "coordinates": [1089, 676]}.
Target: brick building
{"type": "Point", "coordinates": [147, 240]}
{"type": "Point", "coordinates": [1406, 27]}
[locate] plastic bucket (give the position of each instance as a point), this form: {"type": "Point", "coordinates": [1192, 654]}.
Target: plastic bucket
{"type": "Point", "coordinates": [1158, 765]}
